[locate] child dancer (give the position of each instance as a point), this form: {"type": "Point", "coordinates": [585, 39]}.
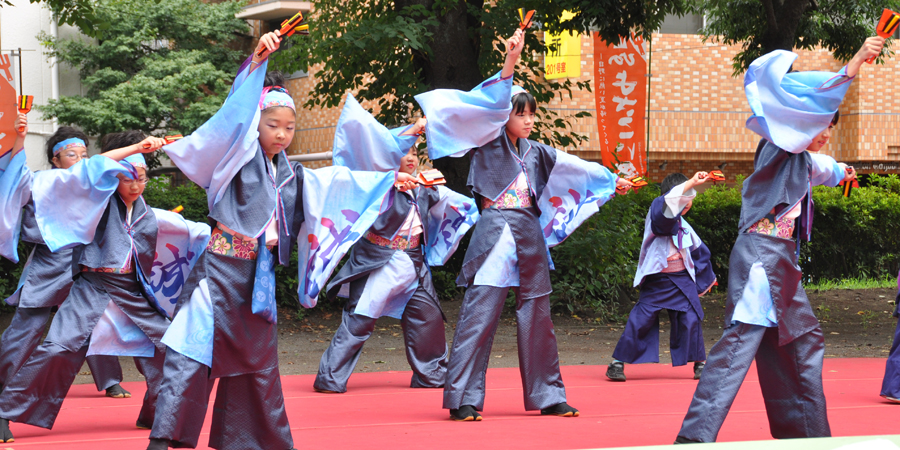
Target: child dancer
{"type": "Point", "coordinates": [388, 271]}
{"type": "Point", "coordinates": [47, 278]}
{"type": "Point", "coordinates": [224, 327]}
{"type": "Point", "coordinates": [768, 316]}
{"type": "Point", "coordinates": [108, 310]}
{"type": "Point", "coordinates": [890, 387]}
{"type": "Point", "coordinates": [673, 272]}
{"type": "Point", "coordinates": [531, 197]}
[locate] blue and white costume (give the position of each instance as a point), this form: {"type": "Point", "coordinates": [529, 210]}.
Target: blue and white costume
{"type": "Point", "coordinates": [109, 309]}
{"type": "Point", "coordinates": [768, 316]}
{"type": "Point", "coordinates": [673, 271]}
{"type": "Point", "coordinates": [531, 198]}
{"type": "Point", "coordinates": [224, 325]}
{"type": "Point", "coordinates": [45, 281]}
{"type": "Point", "coordinates": [387, 273]}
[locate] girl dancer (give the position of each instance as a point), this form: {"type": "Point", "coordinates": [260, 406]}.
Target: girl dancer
{"type": "Point", "coordinates": [388, 271]}
{"type": "Point", "coordinates": [531, 197]}
{"type": "Point", "coordinates": [108, 310]}
{"type": "Point", "coordinates": [47, 278]}
{"type": "Point", "coordinates": [224, 327]}
{"type": "Point", "coordinates": [673, 272]}
{"type": "Point", "coordinates": [768, 316]}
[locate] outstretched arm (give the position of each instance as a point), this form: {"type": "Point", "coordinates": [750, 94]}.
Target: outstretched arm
{"type": "Point", "coordinates": [871, 48]}
{"type": "Point", "coordinates": [148, 145]}
{"type": "Point", "coordinates": [514, 46]}
{"type": "Point", "coordinates": [21, 132]}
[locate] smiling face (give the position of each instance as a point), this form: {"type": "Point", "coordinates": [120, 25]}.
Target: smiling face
{"type": "Point", "coordinates": [129, 190]}
{"type": "Point", "coordinates": [821, 140]}
{"type": "Point", "coordinates": [276, 129]}
{"type": "Point", "coordinates": [410, 161]}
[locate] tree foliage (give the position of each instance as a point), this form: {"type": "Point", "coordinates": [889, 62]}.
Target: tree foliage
{"type": "Point", "coordinates": [161, 67]}
{"type": "Point", "coordinates": [761, 26]}
{"type": "Point", "coordinates": [390, 51]}
{"type": "Point", "coordinates": [78, 13]}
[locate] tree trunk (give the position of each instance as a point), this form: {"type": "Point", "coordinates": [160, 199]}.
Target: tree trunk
{"type": "Point", "coordinates": [783, 17]}
{"type": "Point", "coordinates": [452, 64]}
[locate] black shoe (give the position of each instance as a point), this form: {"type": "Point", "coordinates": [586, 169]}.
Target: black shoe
{"type": "Point", "coordinates": [142, 425]}
{"type": "Point", "coordinates": [5, 434]}
{"type": "Point", "coordinates": [158, 444]}
{"type": "Point", "coordinates": [698, 369]}
{"type": "Point", "coordinates": [117, 391]}
{"type": "Point", "coordinates": [616, 371]}
{"type": "Point", "coordinates": [684, 440]}
{"type": "Point", "coordinates": [465, 413]}
{"type": "Point", "coordinates": [560, 409]}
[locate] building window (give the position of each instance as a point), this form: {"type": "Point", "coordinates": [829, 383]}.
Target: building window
{"type": "Point", "coordinates": [687, 24]}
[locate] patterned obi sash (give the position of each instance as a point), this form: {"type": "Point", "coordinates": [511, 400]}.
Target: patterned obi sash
{"type": "Point", "coordinates": [224, 243]}
{"type": "Point", "coordinates": [675, 264]}
{"type": "Point", "coordinates": [783, 228]}
{"type": "Point", "coordinates": [398, 243]}
{"type": "Point", "coordinates": [512, 198]}
{"type": "Point", "coordinates": [127, 268]}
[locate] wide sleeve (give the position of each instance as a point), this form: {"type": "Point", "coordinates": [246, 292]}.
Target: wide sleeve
{"type": "Point", "coordinates": [665, 211]}
{"type": "Point", "coordinates": [448, 221]}
{"type": "Point", "coordinates": [215, 152]}
{"type": "Point", "coordinates": [575, 190]}
{"type": "Point", "coordinates": [179, 243]}
{"type": "Point", "coordinates": [459, 121]}
{"type": "Point", "coordinates": [363, 143]}
{"type": "Point", "coordinates": [703, 269]}
{"type": "Point", "coordinates": [15, 191]}
{"type": "Point", "coordinates": [68, 204]}
{"type": "Point", "coordinates": [791, 109]}
{"type": "Point", "coordinates": [339, 205]}
{"type": "Point", "coordinates": [825, 171]}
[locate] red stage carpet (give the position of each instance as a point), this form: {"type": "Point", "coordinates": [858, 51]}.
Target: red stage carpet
{"type": "Point", "coordinates": [380, 411]}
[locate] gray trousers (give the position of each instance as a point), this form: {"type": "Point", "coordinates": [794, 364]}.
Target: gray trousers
{"type": "Point", "coordinates": [423, 335]}
{"type": "Point", "coordinates": [23, 336]}
{"type": "Point", "coordinates": [790, 377]}
{"type": "Point", "coordinates": [248, 413]}
{"type": "Point", "coordinates": [479, 316]}
{"type": "Point", "coordinates": [35, 393]}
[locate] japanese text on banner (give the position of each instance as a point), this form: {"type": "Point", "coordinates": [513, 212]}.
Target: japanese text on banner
{"type": "Point", "coordinates": [564, 58]}
{"type": "Point", "coordinates": [620, 90]}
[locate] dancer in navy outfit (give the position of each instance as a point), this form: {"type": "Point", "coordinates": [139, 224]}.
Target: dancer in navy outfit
{"type": "Point", "coordinates": [673, 272]}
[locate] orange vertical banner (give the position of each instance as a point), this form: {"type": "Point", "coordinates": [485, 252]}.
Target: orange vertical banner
{"type": "Point", "coordinates": [620, 91]}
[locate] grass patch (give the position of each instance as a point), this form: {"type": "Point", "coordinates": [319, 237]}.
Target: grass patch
{"type": "Point", "coordinates": [854, 283]}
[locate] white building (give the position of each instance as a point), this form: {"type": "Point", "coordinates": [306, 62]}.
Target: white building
{"type": "Point", "coordinates": [20, 25]}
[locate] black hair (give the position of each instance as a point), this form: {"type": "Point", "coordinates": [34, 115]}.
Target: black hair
{"type": "Point", "coordinates": [122, 139]}
{"type": "Point", "coordinates": [62, 134]}
{"type": "Point", "coordinates": [836, 118]}
{"type": "Point", "coordinates": [670, 181]}
{"type": "Point", "coordinates": [274, 78]}
{"type": "Point", "coordinates": [521, 100]}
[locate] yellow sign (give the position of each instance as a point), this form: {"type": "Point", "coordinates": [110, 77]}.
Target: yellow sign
{"type": "Point", "coordinates": [564, 58]}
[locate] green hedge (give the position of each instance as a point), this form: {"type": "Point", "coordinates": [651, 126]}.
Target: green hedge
{"type": "Point", "coordinates": [852, 238]}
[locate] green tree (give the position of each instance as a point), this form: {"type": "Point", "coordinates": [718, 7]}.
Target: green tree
{"type": "Point", "coordinates": [162, 66]}
{"type": "Point", "coordinates": [762, 26]}
{"type": "Point", "coordinates": [79, 13]}
{"type": "Point", "coordinates": [390, 51]}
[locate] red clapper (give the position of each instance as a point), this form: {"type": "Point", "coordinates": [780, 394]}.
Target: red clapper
{"type": "Point", "coordinates": [637, 183]}
{"type": "Point", "coordinates": [886, 26]}
{"type": "Point", "coordinates": [524, 19]}
{"type": "Point", "coordinates": [24, 105]}
{"type": "Point", "coordinates": [716, 176]}
{"type": "Point", "coordinates": [289, 27]}
{"type": "Point", "coordinates": [169, 139]}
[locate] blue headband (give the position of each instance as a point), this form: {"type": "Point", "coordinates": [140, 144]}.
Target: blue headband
{"type": "Point", "coordinates": [276, 96]}
{"type": "Point", "coordinates": [516, 90]}
{"type": "Point", "coordinates": [68, 143]}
